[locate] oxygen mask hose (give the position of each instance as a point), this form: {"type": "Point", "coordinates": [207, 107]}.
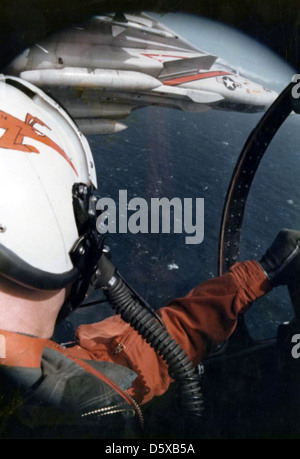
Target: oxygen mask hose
{"type": "Point", "coordinates": [128, 305]}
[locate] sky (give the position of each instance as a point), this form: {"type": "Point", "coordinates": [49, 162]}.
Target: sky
{"type": "Point", "coordinates": [244, 53]}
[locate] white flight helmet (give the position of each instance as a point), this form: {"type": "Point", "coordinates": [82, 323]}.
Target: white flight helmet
{"type": "Point", "coordinates": [43, 159]}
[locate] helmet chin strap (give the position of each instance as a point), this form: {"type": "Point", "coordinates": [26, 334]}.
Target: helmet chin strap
{"type": "Point", "coordinates": [87, 250]}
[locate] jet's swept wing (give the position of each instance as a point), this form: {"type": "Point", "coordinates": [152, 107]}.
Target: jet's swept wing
{"type": "Point", "coordinates": [186, 66]}
{"type": "Point", "coordinates": [103, 69]}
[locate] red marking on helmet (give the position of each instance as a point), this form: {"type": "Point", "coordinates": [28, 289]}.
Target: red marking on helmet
{"type": "Point", "coordinates": [16, 130]}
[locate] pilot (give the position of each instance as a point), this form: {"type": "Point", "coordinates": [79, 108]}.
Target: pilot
{"type": "Point", "coordinates": [48, 253]}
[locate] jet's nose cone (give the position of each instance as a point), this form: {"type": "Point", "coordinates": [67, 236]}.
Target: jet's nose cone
{"type": "Point", "coordinates": [268, 97]}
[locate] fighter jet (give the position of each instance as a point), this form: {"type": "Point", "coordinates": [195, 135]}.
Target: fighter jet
{"type": "Point", "coordinates": [113, 64]}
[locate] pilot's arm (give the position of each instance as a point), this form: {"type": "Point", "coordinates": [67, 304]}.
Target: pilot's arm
{"type": "Point", "coordinates": [199, 321]}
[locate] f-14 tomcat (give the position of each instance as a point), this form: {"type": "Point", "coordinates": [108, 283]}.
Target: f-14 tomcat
{"type": "Point", "coordinates": [113, 64]}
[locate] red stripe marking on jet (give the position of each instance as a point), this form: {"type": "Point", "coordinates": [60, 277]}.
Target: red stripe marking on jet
{"type": "Point", "coordinates": [198, 76]}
